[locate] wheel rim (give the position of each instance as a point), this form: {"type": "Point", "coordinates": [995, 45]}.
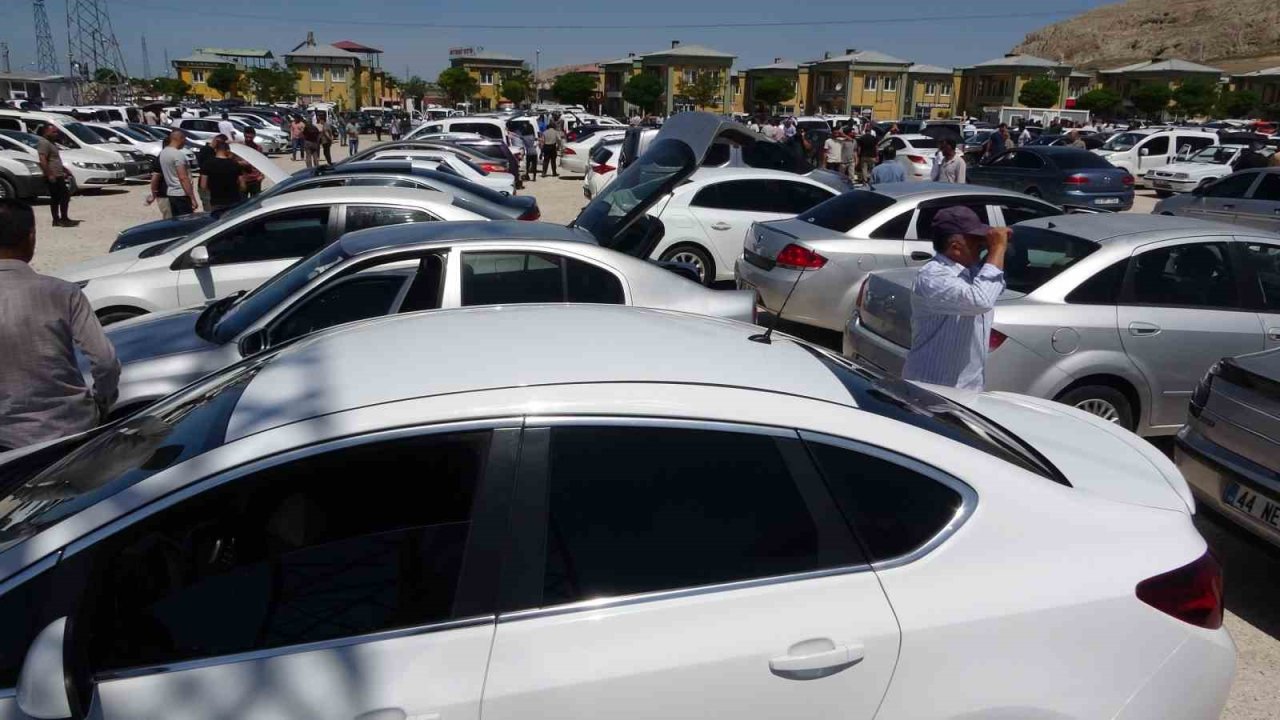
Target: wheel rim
{"type": "Point", "coordinates": [1101, 408]}
{"type": "Point", "coordinates": [4, 190]}
{"type": "Point", "coordinates": [691, 258]}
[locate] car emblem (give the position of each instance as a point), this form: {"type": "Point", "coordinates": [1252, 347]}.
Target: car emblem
{"type": "Point", "coordinates": [1107, 179]}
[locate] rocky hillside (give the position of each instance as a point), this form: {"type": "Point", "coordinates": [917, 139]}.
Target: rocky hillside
{"type": "Point", "coordinates": [1136, 30]}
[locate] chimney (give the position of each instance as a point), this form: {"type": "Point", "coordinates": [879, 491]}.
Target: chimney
{"type": "Point", "coordinates": [675, 43]}
{"type": "Point", "coordinates": [777, 60]}
{"type": "Point", "coordinates": [631, 54]}
{"type": "Point", "coordinates": [311, 38]}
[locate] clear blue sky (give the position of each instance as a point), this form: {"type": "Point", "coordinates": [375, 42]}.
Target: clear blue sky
{"type": "Point", "coordinates": [411, 32]}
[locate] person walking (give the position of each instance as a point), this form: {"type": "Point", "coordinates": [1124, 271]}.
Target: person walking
{"type": "Point", "coordinates": [203, 156]}
{"type": "Point", "coordinates": [831, 150]}
{"type": "Point", "coordinates": [866, 154]}
{"type": "Point", "coordinates": [848, 152]}
{"type": "Point", "coordinates": [311, 145]}
{"type": "Point", "coordinates": [948, 166]}
{"type": "Point", "coordinates": [295, 138]}
{"type": "Point", "coordinates": [889, 170]}
{"type": "Point", "coordinates": [252, 177]}
{"type": "Point", "coordinates": [226, 128]}
{"type": "Point", "coordinates": [342, 130]}
{"type": "Point", "coordinates": [326, 141]}
{"type": "Point", "coordinates": [394, 128]}
{"type": "Point", "coordinates": [1024, 137]}
{"type": "Point", "coordinates": [530, 141]}
{"type": "Point", "coordinates": [43, 320]}
{"type": "Point", "coordinates": [177, 179]}
{"type": "Point", "coordinates": [953, 301]}
{"type": "Point", "coordinates": [550, 150]}
{"type": "Point", "coordinates": [157, 194]}
{"type": "Point", "coordinates": [377, 126]}
{"type": "Point", "coordinates": [405, 126]}
{"type": "Point", "coordinates": [149, 117]}
{"type": "Point", "coordinates": [353, 137]}
{"type": "Point", "coordinates": [221, 178]}
{"type": "Point", "coordinates": [996, 143]}
{"type": "Point", "coordinates": [56, 176]}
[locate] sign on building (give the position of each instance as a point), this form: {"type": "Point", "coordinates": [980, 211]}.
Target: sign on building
{"type": "Point", "coordinates": [464, 51]}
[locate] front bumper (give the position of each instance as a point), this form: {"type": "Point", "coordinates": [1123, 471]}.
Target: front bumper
{"type": "Point", "coordinates": [29, 186]}
{"type": "Point", "coordinates": [89, 176]}
{"type": "Point", "coordinates": [1210, 469]}
{"type": "Point", "coordinates": [1178, 186]}
{"type": "Point", "coordinates": [137, 170]}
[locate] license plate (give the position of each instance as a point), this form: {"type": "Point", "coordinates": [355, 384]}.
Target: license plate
{"type": "Point", "coordinates": [1107, 201]}
{"type": "Point", "coordinates": [1253, 504]}
{"type": "Point", "coordinates": [1160, 183]}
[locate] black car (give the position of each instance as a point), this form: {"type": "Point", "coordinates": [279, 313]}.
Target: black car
{"type": "Point", "coordinates": [391, 173]}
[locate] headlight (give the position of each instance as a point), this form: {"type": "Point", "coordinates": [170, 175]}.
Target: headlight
{"type": "Point", "coordinates": [1181, 176]}
{"type": "Point", "coordinates": [91, 166]}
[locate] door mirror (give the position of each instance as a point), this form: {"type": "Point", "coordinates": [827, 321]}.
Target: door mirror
{"type": "Point", "coordinates": [253, 343]}
{"type": "Point", "coordinates": [1144, 152]}
{"type": "Point", "coordinates": [43, 690]}
{"type": "Point", "coordinates": [199, 256]}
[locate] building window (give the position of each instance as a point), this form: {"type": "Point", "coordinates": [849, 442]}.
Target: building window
{"type": "Point", "coordinates": [338, 74]}
{"type": "Point", "coordinates": [869, 82]}
{"type": "Point", "coordinates": [931, 88]}
{"type": "Point", "coordinates": [891, 83]}
{"type": "Point", "coordinates": [317, 73]}
{"type": "Point", "coordinates": [197, 77]}
{"type": "Point", "coordinates": [946, 89]}
{"type": "Point", "coordinates": [486, 77]}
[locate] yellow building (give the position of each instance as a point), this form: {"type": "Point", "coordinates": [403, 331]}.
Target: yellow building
{"type": "Point", "coordinates": [998, 82]}
{"type": "Point", "coordinates": [676, 67]}
{"type": "Point", "coordinates": [779, 68]}
{"type": "Point", "coordinates": [194, 69]}
{"type": "Point", "coordinates": [372, 79]}
{"type": "Point", "coordinates": [933, 92]}
{"type": "Point", "coordinates": [866, 82]}
{"type": "Point", "coordinates": [326, 74]}
{"type": "Point", "coordinates": [1266, 83]}
{"type": "Point", "coordinates": [1169, 73]}
{"type": "Point", "coordinates": [489, 69]}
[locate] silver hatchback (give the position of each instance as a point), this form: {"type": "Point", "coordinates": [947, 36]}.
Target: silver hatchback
{"type": "Point", "coordinates": [1249, 197]}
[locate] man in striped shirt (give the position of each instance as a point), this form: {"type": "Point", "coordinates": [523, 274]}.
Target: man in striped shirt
{"type": "Point", "coordinates": [953, 301]}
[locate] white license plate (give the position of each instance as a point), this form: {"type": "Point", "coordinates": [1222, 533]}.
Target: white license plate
{"type": "Point", "coordinates": [1253, 504]}
{"type": "Point", "coordinates": [1160, 183]}
{"type": "Point", "coordinates": [1107, 201]}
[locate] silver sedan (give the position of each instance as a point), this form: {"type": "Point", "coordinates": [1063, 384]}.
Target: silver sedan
{"type": "Point", "coordinates": [826, 251]}
{"type": "Point", "coordinates": [1118, 315]}
{"type": "Point", "coordinates": [393, 270]}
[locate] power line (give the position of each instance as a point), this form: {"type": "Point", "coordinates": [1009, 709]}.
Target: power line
{"type": "Point", "coordinates": [293, 20]}
{"type": "Point", "coordinates": [46, 55]}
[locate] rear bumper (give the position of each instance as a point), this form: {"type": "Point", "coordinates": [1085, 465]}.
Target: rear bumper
{"type": "Point", "coordinates": [1210, 468]}
{"type": "Point", "coordinates": [1103, 201]}
{"type": "Point", "coordinates": [863, 346]}
{"type": "Point", "coordinates": [819, 300]}
{"type": "Point", "coordinates": [1192, 683]}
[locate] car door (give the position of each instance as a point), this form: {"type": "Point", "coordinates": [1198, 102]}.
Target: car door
{"type": "Point", "coordinates": [1259, 259]}
{"type": "Point", "coordinates": [1261, 207]}
{"type": "Point", "coordinates": [1001, 172]}
{"type": "Point", "coordinates": [724, 211]}
{"type": "Point", "coordinates": [1153, 152]}
{"type": "Point", "coordinates": [1181, 311]}
{"type": "Point", "coordinates": [506, 277]}
{"type": "Point", "coordinates": [1013, 210]}
{"type": "Point", "coordinates": [671, 569]}
{"type": "Point", "coordinates": [278, 592]}
{"type": "Point", "coordinates": [1221, 199]}
{"type": "Point", "coordinates": [241, 257]}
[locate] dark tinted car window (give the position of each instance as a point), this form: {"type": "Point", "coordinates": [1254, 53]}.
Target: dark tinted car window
{"type": "Point", "coordinates": [587, 283]}
{"type": "Point", "coordinates": [1156, 146]}
{"type": "Point", "coordinates": [895, 229]}
{"type": "Point", "coordinates": [485, 129]}
{"type": "Point", "coordinates": [1027, 161]}
{"type": "Point", "coordinates": [495, 278]}
{"type": "Point", "coordinates": [1263, 263]}
{"type": "Point", "coordinates": [26, 610]}
{"type": "Point", "coordinates": [842, 212]}
{"type": "Point", "coordinates": [1081, 160]}
{"type": "Point", "coordinates": [717, 155]}
{"type": "Point", "coordinates": [290, 555]}
{"type": "Point", "coordinates": [360, 217]}
{"type": "Point", "coordinates": [797, 197]}
{"type": "Point", "coordinates": [1101, 289]}
{"type": "Point", "coordinates": [1231, 186]}
{"type": "Point", "coordinates": [346, 301]}
{"type": "Point", "coordinates": [1268, 189]}
{"type": "Point", "coordinates": [1041, 255]}
{"type": "Point", "coordinates": [1193, 275]}
{"type": "Point", "coordinates": [290, 234]}
{"type": "Point", "coordinates": [894, 510]}
{"type": "Point", "coordinates": [634, 510]}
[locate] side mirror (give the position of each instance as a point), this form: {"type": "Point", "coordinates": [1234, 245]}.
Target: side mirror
{"type": "Point", "coordinates": [1144, 152]}
{"type": "Point", "coordinates": [199, 256]}
{"type": "Point", "coordinates": [253, 343]}
{"type": "Point", "coordinates": [43, 690]}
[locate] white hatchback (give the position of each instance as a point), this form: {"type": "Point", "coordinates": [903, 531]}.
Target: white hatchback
{"type": "Point", "coordinates": [456, 164]}
{"type": "Point", "coordinates": [914, 153]}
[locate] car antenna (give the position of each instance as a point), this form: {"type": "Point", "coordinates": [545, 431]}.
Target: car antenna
{"type": "Point", "coordinates": [764, 337]}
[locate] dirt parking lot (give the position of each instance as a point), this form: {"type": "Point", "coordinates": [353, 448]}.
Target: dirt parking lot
{"type": "Point", "coordinates": [1252, 569]}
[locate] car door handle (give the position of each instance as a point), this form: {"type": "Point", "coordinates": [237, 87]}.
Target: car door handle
{"type": "Point", "coordinates": [815, 659]}
{"type": "Point", "coordinates": [921, 255]}
{"type": "Point", "coordinates": [721, 226]}
{"type": "Point", "coordinates": [1142, 329]}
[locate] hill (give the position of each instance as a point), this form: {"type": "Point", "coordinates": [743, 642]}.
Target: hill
{"type": "Point", "coordinates": [1198, 30]}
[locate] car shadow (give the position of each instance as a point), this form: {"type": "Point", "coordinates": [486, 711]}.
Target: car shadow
{"type": "Point", "coordinates": [1249, 567]}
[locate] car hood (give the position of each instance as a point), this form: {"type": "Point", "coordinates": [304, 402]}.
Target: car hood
{"type": "Point", "coordinates": [167, 229]}
{"type": "Point", "coordinates": [1191, 168]}
{"type": "Point", "coordinates": [263, 164]}
{"type": "Point", "coordinates": [110, 264]}
{"type": "Point", "coordinates": [673, 155]}
{"type": "Point", "coordinates": [157, 335]}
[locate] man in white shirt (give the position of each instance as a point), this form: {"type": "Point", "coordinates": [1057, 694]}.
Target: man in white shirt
{"type": "Point", "coordinates": [831, 150]}
{"type": "Point", "coordinates": [226, 128]}
{"type": "Point", "coordinates": [948, 166]}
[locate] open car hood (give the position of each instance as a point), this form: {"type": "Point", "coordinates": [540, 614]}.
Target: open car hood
{"type": "Point", "coordinates": [263, 164]}
{"type": "Point", "coordinates": [674, 154]}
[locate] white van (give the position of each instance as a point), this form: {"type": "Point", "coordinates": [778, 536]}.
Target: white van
{"type": "Point", "coordinates": [1138, 151]}
{"type": "Point", "coordinates": [135, 163]}
{"type": "Point", "coordinates": [492, 128]}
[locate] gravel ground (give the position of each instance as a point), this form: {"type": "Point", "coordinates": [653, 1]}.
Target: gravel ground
{"type": "Point", "coordinates": [1253, 595]}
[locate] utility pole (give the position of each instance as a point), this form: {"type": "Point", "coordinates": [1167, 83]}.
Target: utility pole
{"type": "Point", "coordinates": [146, 60]}
{"type": "Point", "coordinates": [46, 55]}
{"type": "Point", "coordinates": [92, 44]}
{"type": "Point", "coordinates": [167, 67]}
{"type": "Point", "coordinates": [4, 57]}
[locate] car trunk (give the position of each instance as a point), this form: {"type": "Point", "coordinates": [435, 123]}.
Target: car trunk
{"type": "Point", "coordinates": [884, 304]}
{"type": "Point", "coordinates": [1096, 181]}
{"type": "Point", "coordinates": [1246, 394]}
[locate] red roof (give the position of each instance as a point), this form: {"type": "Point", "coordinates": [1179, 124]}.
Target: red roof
{"type": "Point", "coordinates": [352, 46]}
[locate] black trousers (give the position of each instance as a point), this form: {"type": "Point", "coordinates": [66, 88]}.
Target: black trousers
{"type": "Point", "coordinates": [180, 205]}
{"type": "Point", "coordinates": [531, 164]}
{"type": "Point", "coordinates": [549, 159]}
{"type": "Point", "coordinates": [59, 198]}
{"type": "Point", "coordinates": [327, 158]}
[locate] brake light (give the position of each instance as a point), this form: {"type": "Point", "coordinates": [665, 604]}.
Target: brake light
{"type": "Point", "coordinates": [569, 151]}
{"type": "Point", "coordinates": [492, 167]}
{"type": "Point", "coordinates": [1127, 180]}
{"type": "Point", "coordinates": [1192, 593]}
{"type": "Point", "coordinates": [917, 159]}
{"type": "Point", "coordinates": [996, 340]}
{"type": "Point", "coordinates": [794, 257]}
{"type": "Point", "coordinates": [603, 168]}
{"type": "Point", "coordinates": [1076, 180]}
{"type": "Point", "coordinates": [532, 213]}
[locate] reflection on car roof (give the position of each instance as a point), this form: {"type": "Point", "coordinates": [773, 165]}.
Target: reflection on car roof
{"type": "Point", "coordinates": [363, 241]}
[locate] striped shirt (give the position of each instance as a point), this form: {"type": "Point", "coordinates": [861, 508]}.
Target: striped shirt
{"type": "Point", "coordinates": [951, 312]}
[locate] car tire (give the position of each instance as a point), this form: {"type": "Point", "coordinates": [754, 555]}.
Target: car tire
{"type": "Point", "coordinates": [1103, 401]}
{"type": "Point", "coordinates": [6, 189]}
{"type": "Point", "coordinates": [693, 255]}
{"type": "Point", "coordinates": [1164, 193]}
{"type": "Point", "coordinates": [115, 315]}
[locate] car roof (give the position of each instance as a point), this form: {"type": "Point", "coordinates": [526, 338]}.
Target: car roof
{"type": "Point", "coordinates": [611, 344]}
{"type": "Point", "coordinates": [363, 241]}
{"type": "Point", "coordinates": [714, 174]}
{"type": "Point", "coordinates": [1136, 228]}
{"type": "Point", "coordinates": [910, 137]}
{"type": "Point", "coordinates": [1053, 150]}
{"type": "Point", "coordinates": [353, 194]}
{"type": "Point", "coordinates": [904, 190]}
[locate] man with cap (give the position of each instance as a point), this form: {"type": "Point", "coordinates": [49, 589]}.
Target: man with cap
{"type": "Point", "coordinates": [953, 301]}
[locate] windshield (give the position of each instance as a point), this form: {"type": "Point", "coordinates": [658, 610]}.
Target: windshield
{"type": "Point", "coordinates": [120, 455]}
{"type": "Point", "coordinates": [1038, 255]}
{"type": "Point", "coordinates": [27, 139]}
{"type": "Point", "coordinates": [130, 132]}
{"type": "Point", "coordinates": [1214, 155]}
{"type": "Point", "coordinates": [1123, 141]}
{"type": "Point", "coordinates": [242, 314]}
{"type": "Point", "coordinates": [82, 133]}
{"type": "Point", "coordinates": [652, 175]}
{"type": "Point", "coordinates": [845, 211]}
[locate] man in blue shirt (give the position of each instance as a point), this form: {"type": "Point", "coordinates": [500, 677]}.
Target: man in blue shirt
{"type": "Point", "coordinates": [889, 170]}
{"type": "Point", "coordinates": [953, 301]}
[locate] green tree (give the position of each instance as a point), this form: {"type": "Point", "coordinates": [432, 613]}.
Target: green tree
{"type": "Point", "coordinates": [458, 84]}
{"type": "Point", "coordinates": [225, 80]}
{"type": "Point", "coordinates": [1103, 102]}
{"type": "Point", "coordinates": [706, 90]}
{"type": "Point", "coordinates": [1151, 100]}
{"type": "Point", "coordinates": [643, 91]}
{"type": "Point", "coordinates": [173, 88]}
{"type": "Point", "coordinates": [1195, 97]}
{"type": "Point", "coordinates": [516, 90]}
{"type": "Point", "coordinates": [415, 87]}
{"type": "Point", "coordinates": [772, 91]}
{"type": "Point", "coordinates": [1039, 92]}
{"type": "Point", "coordinates": [273, 84]}
{"type": "Point", "coordinates": [1239, 103]}
{"type": "Point", "coordinates": [573, 88]}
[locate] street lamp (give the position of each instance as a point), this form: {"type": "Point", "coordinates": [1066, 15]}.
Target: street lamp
{"type": "Point", "coordinates": [537, 61]}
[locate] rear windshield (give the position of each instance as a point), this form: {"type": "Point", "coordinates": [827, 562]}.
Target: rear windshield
{"type": "Point", "coordinates": [845, 211]}
{"type": "Point", "coordinates": [1036, 256]}
{"type": "Point", "coordinates": [1080, 160]}
{"type": "Point", "coordinates": [924, 143]}
{"type": "Point", "coordinates": [911, 404]}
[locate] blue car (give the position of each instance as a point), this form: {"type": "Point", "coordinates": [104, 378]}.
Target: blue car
{"type": "Point", "coordinates": [1064, 176]}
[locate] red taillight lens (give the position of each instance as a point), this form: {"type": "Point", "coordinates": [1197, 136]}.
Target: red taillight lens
{"type": "Point", "coordinates": [1192, 593]}
{"type": "Point", "coordinates": [569, 151]}
{"type": "Point", "coordinates": [1127, 180]}
{"type": "Point", "coordinates": [917, 159]}
{"type": "Point", "coordinates": [492, 167]}
{"type": "Point", "coordinates": [532, 213]}
{"type": "Point", "coordinates": [794, 257]}
{"type": "Point", "coordinates": [996, 340]}
{"type": "Point", "coordinates": [603, 168]}
{"type": "Point", "coordinates": [1076, 180]}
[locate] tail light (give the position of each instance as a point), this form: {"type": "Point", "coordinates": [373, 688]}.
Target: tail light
{"type": "Point", "coordinates": [603, 168]}
{"type": "Point", "coordinates": [532, 213]}
{"type": "Point", "coordinates": [794, 257]}
{"type": "Point", "coordinates": [1127, 180]}
{"type": "Point", "coordinates": [489, 167]}
{"type": "Point", "coordinates": [917, 159]}
{"type": "Point", "coordinates": [1076, 180]}
{"type": "Point", "coordinates": [996, 340]}
{"type": "Point", "coordinates": [568, 151]}
{"type": "Point", "coordinates": [862, 293]}
{"type": "Point", "coordinates": [1192, 593]}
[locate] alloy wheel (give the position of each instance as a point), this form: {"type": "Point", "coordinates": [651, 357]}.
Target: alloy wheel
{"type": "Point", "coordinates": [690, 258]}
{"type": "Point", "coordinates": [1101, 408]}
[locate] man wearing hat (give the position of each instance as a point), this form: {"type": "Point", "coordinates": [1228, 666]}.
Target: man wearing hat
{"type": "Point", "coordinates": [953, 301]}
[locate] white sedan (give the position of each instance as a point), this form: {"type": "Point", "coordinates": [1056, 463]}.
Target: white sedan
{"type": "Point", "coordinates": [914, 153]}
{"type": "Point", "coordinates": [602, 167]}
{"type": "Point", "coordinates": [445, 161]}
{"type": "Point", "coordinates": [576, 155]}
{"type": "Point", "coordinates": [242, 250]}
{"type": "Point", "coordinates": [556, 512]}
